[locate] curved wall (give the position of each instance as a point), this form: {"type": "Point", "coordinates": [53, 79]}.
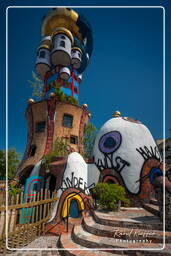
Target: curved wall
{"type": "Point", "coordinates": [45, 124]}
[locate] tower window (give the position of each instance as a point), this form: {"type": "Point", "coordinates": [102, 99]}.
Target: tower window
{"type": "Point", "coordinates": [42, 54]}
{"type": "Point", "coordinates": [62, 44]}
{"type": "Point", "coordinates": [67, 120]}
{"type": "Point", "coordinates": [73, 139]}
{"type": "Point", "coordinates": [40, 126]}
{"type": "Point", "coordinates": [32, 150]}
{"type": "Point", "coordinates": [63, 37]}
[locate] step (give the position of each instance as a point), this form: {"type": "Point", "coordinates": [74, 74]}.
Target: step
{"type": "Point", "coordinates": [72, 249]}
{"type": "Point", "coordinates": [92, 227]}
{"type": "Point", "coordinates": [83, 238]}
{"type": "Point", "coordinates": [154, 209]}
{"type": "Point", "coordinates": [109, 220]}
{"type": "Point", "coordinates": [154, 201]}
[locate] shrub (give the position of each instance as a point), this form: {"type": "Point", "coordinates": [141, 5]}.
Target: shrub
{"type": "Point", "coordinates": [59, 94]}
{"type": "Point", "coordinates": [13, 190]}
{"type": "Point", "coordinates": [59, 148]}
{"type": "Point", "coordinates": [63, 98]}
{"type": "Point", "coordinates": [109, 195]}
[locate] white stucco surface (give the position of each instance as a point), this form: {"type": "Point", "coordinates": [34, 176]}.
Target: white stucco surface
{"type": "Point", "coordinates": [134, 136]}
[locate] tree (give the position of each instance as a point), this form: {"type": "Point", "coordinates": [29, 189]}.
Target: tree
{"type": "Point", "coordinates": [109, 195]}
{"type": "Point", "coordinates": [90, 132]}
{"type": "Point", "coordinates": [13, 161]}
{"type": "Point", "coordinates": [2, 164]}
{"type": "Point", "coordinates": [37, 85]}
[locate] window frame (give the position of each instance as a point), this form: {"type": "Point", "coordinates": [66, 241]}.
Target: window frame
{"type": "Point", "coordinates": [32, 150]}
{"type": "Point", "coordinates": [44, 53]}
{"type": "Point", "coordinates": [42, 129]}
{"type": "Point", "coordinates": [63, 121]}
{"type": "Point", "coordinates": [75, 138]}
{"type": "Point", "coordinates": [62, 44]}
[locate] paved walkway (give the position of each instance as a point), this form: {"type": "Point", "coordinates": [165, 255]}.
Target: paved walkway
{"type": "Point", "coordinates": [135, 215]}
{"type": "Point", "coordinates": [47, 242]}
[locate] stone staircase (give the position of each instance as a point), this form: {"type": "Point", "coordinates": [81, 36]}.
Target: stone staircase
{"type": "Point", "coordinates": [152, 207]}
{"type": "Point", "coordinates": [105, 234]}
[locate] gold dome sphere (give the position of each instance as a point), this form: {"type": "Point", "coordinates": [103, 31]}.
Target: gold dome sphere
{"type": "Point", "coordinates": [84, 106]}
{"type": "Point", "coordinates": [31, 101]}
{"type": "Point", "coordinates": [52, 94]}
{"type": "Point", "coordinates": [89, 115]}
{"type": "Point", "coordinates": [116, 114]}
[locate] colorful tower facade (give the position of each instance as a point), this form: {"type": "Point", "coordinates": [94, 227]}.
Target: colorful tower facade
{"type": "Point", "coordinates": [62, 57]}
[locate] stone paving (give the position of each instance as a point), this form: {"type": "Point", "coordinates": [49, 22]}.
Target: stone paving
{"type": "Point", "coordinates": [47, 242]}
{"type": "Point", "coordinates": [134, 215]}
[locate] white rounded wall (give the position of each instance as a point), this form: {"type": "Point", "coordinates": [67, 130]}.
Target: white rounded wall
{"type": "Point", "coordinates": [124, 146]}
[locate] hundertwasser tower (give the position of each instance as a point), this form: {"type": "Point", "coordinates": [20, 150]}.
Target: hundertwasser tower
{"type": "Point", "coordinates": [63, 54]}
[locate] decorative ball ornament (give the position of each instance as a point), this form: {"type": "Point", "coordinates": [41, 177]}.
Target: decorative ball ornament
{"type": "Point", "coordinates": [52, 95]}
{"type": "Point", "coordinates": [89, 115]}
{"type": "Point", "coordinates": [84, 106]}
{"type": "Point", "coordinates": [116, 114]}
{"type": "Point", "coordinates": [31, 101]}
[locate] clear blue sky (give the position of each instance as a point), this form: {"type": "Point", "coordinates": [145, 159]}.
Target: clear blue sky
{"type": "Point", "coordinates": [125, 71]}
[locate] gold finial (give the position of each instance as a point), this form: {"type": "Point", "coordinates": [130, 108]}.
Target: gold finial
{"type": "Point", "coordinates": [31, 101]}
{"type": "Point", "coordinates": [52, 94]}
{"type": "Point", "coordinates": [84, 106]}
{"type": "Point", "coordinates": [116, 114]}
{"type": "Point", "coordinates": [89, 115]}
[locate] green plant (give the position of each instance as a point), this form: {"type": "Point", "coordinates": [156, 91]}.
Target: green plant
{"type": "Point", "coordinates": [63, 98]}
{"type": "Point", "coordinates": [109, 195]}
{"type": "Point", "coordinates": [71, 100]}
{"type": "Point", "coordinates": [13, 161]}
{"type": "Point", "coordinates": [90, 132]}
{"type": "Point", "coordinates": [59, 148]}
{"type": "Point", "coordinates": [13, 190]}
{"type": "Point", "coordinates": [37, 85]}
{"type": "Point", "coordinates": [59, 94]}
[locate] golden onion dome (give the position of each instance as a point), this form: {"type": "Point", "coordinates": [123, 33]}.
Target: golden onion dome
{"type": "Point", "coordinates": [61, 17]}
{"type": "Point", "coordinates": [116, 114]}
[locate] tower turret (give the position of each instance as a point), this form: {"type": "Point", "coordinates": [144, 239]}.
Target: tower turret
{"type": "Point", "coordinates": [61, 59]}
{"type": "Point", "coordinates": [64, 51]}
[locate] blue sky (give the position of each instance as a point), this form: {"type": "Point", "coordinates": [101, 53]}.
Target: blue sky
{"type": "Point", "coordinates": [125, 71]}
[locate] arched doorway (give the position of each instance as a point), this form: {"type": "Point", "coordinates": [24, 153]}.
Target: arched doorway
{"type": "Point", "coordinates": [73, 202]}
{"type": "Point", "coordinates": [74, 209]}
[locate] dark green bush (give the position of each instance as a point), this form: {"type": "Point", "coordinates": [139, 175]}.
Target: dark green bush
{"type": "Point", "coordinates": [109, 195]}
